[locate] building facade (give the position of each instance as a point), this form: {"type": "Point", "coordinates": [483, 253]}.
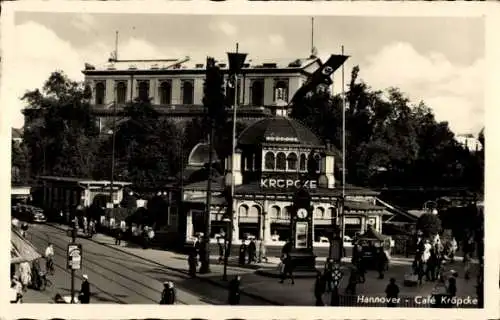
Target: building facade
{"type": "Point", "coordinates": [273, 159]}
{"type": "Point", "coordinates": [175, 86]}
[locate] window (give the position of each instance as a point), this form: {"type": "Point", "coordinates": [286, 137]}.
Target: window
{"type": "Point", "coordinates": [303, 161]}
{"type": "Point", "coordinates": [144, 90]}
{"type": "Point", "coordinates": [331, 213]}
{"type": "Point", "coordinates": [100, 93]}
{"type": "Point", "coordinates": [281, 90]}
{"type": "Point", "coordinates": [317, 159]}
{"type": "Point", "coordinates": [165, 92]}
{"type": "Point", "coordinates": [274, 212]}
{"type": "Point", "coordinates": [254, 211]}
{"type": "Point", "coordinates": [243, 211]}
{"type": "Point", "coordinates": [286, 213]}
{"type": "Point", "coordinates": [187, 92]}
{"type": "Point", "coordinates": [121, 92]}
{"type": "Point", "coordinates": [292, 161]}
{"type": "Point", "coordinates": [281, 161]}
{"type": "Point", "coordinates": [257, 93]}
{"type": "Point", "coordinates": [319, 213]}
{"type": "Point", "coordinates": [269, 160]}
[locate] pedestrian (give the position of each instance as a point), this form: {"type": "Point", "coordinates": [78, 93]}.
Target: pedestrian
{"type": "Point", "coordinates": [252, 251]}
{"type": "Point", "coordinates": [25, 272]}
{"type": "Point", "coordinates": [361, 267]}
{"type": "Point", "coordinates": [234, 290]}
{"type": "Point", "coordinates": [319, 289]}
{"type": "Point", "coordinates": [287, 269]}
{"type": "Point", "coordinates": [420, 270]}
{"type": "Point", "coordinates": [17, 290]}
{"type": "Point", "coordinates": [221, 245]}
{"type": "Point", "coordinates": [328, 274]}
{"type": "Point", "coordinates": [84, 295]}
{"type": "Point", "coordinates": [353, 281]}
{"type": "Point", "coordinates": [168, 294]}
{"type": "Point", "coordinates": [382, 262]}
{"type": "Point", "coordinates": [287, 248]}
{"type": "Point", "coordinates": [453, 249]}
{"type": "Point", "coordinates": [243, 253]}
{"type": "Point", "coordinates": [392, 292]}
{"type": "Point", "coordinates": [431, 267]}
{"type": "Point", "coordinates": [192, 262]}
{"type": "Point", "coordinates": [466, 262]}
{"type": "Point", "coordinates": [119, 236]}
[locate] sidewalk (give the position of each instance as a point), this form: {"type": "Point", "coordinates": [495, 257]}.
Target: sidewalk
{"type": "Point", "coordinates": [269, 289]}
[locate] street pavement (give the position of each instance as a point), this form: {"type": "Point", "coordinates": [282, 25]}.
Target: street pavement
{"type": "Point", "coordinates": [118, 277]}
{"type": "Point", "coordinates": [260, 289]}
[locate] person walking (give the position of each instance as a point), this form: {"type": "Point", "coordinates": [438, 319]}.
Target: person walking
{"type": "Point", "coordinates": [431, 267]}
{"type": "Point", "coordinates": [221, 243]}
{"type": "Point", "coordinates": [353, 281]}
{"type": "Point", "coordinates": [466, 262]}
{"type": "Point", "coordinates": [49, 258]}
{"type": "Point", "coordinates": [252, 252]}
{"type": "Point", "coordinates": [234, 290]}
{"type": "Point", "coordinates": [328, 274]}
{"type": "Point", "coordinates": [319, 289]}
{"type": "Point", "coordinates": [392, 292]}
{"type": "Point", "coordinates": [382, 262]}
{"type": "Point", "coordinates": [168, 294]}
{"type": "Point", "coordinates": [84, 296]}
{"type": "Point", "coordinates": [25, 272]}
{"type": "Point", "coordinates": [192, 262]}
{"type": "Point", "coordinates": [243, 253]}
{"type": "Point", "coordinates": [119, 236]}
{"type": "Point", "coordinates": [287, 269]}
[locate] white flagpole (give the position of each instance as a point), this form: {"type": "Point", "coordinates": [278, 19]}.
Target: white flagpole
{"type": "Point", "coordinates": [343, 148]}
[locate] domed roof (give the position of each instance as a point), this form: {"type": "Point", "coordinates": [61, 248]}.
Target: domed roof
{"type": "Point", "coordinates": [279, 130]}
{"type": "Point", "coordinates": [199, 155]}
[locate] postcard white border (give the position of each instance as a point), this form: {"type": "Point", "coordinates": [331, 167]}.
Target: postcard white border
{"type": "Point", "coordinates": [372, 8]}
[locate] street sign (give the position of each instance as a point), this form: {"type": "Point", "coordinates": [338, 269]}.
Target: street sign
{"type": "Point", "coordinates": [74, 256]}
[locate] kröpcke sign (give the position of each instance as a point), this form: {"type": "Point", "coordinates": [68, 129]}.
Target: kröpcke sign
{"type": "Point", "coordinates": [287, 183]}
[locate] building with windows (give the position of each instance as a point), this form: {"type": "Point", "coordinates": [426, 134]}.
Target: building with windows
{"type": "Point", "coordinates": [273, 158]}
{"type": "Point", "coordinates": [175, 86]}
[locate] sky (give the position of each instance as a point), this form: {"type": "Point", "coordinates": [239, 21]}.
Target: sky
{"type": "Point", "coordinates": [436, 60]}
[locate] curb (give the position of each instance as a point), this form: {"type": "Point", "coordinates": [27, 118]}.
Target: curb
{"type": "Point", "coordinates": [273, 273]}
{"type": "Point", "coordinates": [213, 282]}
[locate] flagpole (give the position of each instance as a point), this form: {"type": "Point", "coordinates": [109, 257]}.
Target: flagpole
{"type": "Point", "coordinates": [343, 149]}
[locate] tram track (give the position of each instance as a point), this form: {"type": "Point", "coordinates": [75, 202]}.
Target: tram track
{"type": "Point", "coordinates": [101, 274]}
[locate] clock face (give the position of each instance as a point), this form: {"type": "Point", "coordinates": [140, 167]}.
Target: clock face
{"type": "Point", "coordinates": [302, 213]}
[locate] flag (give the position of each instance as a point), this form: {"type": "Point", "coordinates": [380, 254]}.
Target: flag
{"type": "Point", "coordinates": [321, 76]}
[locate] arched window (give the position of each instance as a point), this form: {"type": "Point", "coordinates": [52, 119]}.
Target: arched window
{"type": "Point", "coordinates": [243, 211]}
{"type": "Point", "coordinates": [254, 211]}
{"type": "Point", "coordinates": [165, 92]}
{"type": "Point", "coordinates": [144, 90]}
{"type": "Point", "coordinates": [303, 161]}
{"type": "Point", "coordinates": [292, 161]}
{"type": "Point", "coordinates": [274, 212]}
{"type": "Point", "coordinates": [286, 212]}
{"type": "Point", "coordinates": [187, 92]}
{"type": "Point", "coordinates": [281, 161]}
{"type": "Point", "coordinates": [100, 93]}
{"type": "Point", "coordinates": [319, 213]}
{"type": "Point", "coordinates": [317, 158]}
{"type": "Point", "coordinates": [269, 160]}
{"type": "Point", "coordinates": [257, 93]}
{"type": "Point", "coordinates": [121, 92]}
{"type": "Point", "coordinates": [281, 90]}
{"type": "Point", "coordinates": [330, 213]}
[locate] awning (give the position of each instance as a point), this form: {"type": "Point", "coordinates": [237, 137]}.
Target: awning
{"type": "Point", "coordinates": [21, 249]}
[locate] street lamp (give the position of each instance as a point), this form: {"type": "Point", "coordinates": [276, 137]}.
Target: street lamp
{"type": "Point", "coordinates": [236, 61]}
{"type": "Point", "coordinates": [228, 235]}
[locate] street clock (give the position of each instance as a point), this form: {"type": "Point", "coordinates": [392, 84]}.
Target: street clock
{"type": "Point", "coordinates": [302, 213]}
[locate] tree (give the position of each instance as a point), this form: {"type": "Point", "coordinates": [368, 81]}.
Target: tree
{"type": "Point", "coordinates": [147, 147]}
{"type": "Point", "coordinates": [19, 165]}
{"type": "Point", "coordinates": [429, 224]}
{"type": "Point", "coordinates": [59, 138]}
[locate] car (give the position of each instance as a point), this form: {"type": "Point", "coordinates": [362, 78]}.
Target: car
{"type": "Point", "coordinates": [39, 217]}
{"type": "Point", "coordinates": [326, 241]}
